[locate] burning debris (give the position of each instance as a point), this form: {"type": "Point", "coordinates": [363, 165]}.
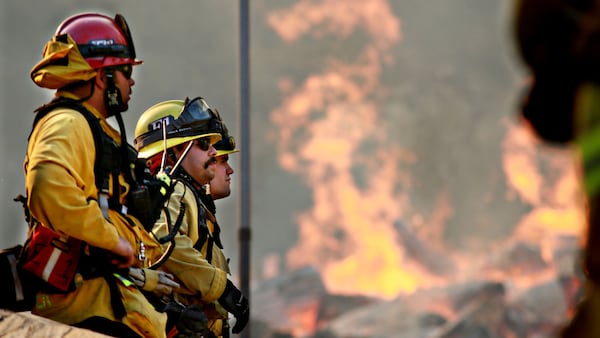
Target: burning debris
{"type": "Point", "coordinates": [299, 305]}
{"type": "Point", "coordinates": [435, 261]}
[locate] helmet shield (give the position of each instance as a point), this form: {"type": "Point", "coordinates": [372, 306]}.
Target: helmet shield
{"type": "Point", "coordinates": [195, 114]}
{"type": "Point", "coordinates": [124, 27]}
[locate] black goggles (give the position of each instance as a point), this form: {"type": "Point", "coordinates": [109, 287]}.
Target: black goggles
{"type": "Point", "coordinates": [227, 143]}
{"type": "Point", "coordinates": [196, 118]}
{"type": "Point", "coordinates": [197, 113]}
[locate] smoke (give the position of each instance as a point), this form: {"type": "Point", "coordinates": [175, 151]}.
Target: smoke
{"type": "Point", "coordinates": [363, 113]}
{"type": "Point", "coordinates": [399, 120]}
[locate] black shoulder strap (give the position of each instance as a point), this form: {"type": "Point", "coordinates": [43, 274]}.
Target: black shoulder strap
{"type": "Point", "coordinates": [106, 161]}
{"type": "Point", "coordinates": [204, 234]}
{"type": "Point", "coordinates": [97, 132]}
{"type": "Point", "coordinates": [211, 211]}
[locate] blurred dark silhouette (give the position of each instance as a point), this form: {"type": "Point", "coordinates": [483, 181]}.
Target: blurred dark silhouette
{"type": "Point", "coordinates": [559, 40]}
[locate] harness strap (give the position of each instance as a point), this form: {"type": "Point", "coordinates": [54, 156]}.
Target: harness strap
{"type": "Point", "coordinates": [115, 296]}
{"type": "Point", "coordinates": [204, 233]}
{"type": "Point", "coordinates": [104, 164]}
{"type": "Point", "coordinates": [171, 237]}
{"type": "Point", "coordinates": [210, 238]}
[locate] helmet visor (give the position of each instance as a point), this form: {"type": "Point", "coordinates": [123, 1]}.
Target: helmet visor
{"type": "Point", "coordinates": [195, 113]}
{"type": "Point", "coordinates": [124, 27]}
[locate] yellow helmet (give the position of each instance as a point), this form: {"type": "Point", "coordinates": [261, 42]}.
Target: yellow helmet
{"type": "Point", "coordinates": [184, 120]}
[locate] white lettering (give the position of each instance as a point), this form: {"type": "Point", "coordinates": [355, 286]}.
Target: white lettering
{"type": "Point", "coordinates": [102, 42]}
{"type": "Point", "coordinates": [158, 123]}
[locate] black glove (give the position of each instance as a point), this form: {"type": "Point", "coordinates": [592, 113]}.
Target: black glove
{"type": "Point", "coordinates": [192, 323]}
{"type": "Point", "coordinates": [235, 303]}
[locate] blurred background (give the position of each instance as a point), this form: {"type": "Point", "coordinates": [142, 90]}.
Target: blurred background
{"type": "Point", "coordinates": [386, 153]}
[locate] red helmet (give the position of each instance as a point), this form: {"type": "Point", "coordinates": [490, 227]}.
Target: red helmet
{"type": "Point", "coordinates": [101, 40]}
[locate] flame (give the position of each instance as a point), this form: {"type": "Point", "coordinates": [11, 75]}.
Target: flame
{"type": "Point", "coordinates": [556, 196]}
{"type": "Point", "coordinates": [520, 166]}
{"type": "Point", "coordinates": [329, 133]}
{"type": "Point", "coordinates": [362, 216]}
{"type": "Point", "coordinates": [303, 318]}
{"type": "Point", "coordinates": [322, 125]}
{"type": "Point", "coordinates": [338, 18]}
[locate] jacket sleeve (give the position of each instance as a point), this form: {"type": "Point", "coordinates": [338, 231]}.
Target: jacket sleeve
{"type": "Point", "coordinates": [189, 265]}
{"type": "Point", "coordinates": [59, 179]}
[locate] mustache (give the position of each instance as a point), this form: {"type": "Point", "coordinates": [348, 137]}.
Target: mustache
{"type": "Point", "coordinates": [210, 161]}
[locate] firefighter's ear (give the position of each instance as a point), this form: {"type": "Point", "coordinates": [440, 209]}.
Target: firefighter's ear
{"type": "Point", "coordinates": [100, 80]}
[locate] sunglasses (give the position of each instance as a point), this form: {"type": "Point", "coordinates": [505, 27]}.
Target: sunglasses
{"type": "Point", "coordinates": [203, 143]}
{"type": "Point", "coordinates": [126, 70]}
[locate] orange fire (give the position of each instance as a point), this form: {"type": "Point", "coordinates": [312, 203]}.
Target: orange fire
{"type": "Point", "coordinates": [303, 318]}
{"type": "Point", "coordinates": [348, 231]}
{"type": "Point", "coordinates": [324, 125]}
{"type": "Point", "coordinates": [555, 195]}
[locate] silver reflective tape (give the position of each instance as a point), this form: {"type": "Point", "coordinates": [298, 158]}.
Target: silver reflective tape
{"type": "Point", "coordinates": [51, 264]}
{"type": "Point", "coordinates": [103, 197]}
{"type": "Point", "coordinates": [18, 287]}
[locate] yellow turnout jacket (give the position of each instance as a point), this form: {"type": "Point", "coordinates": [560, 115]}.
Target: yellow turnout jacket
{"type": "Point", "coordinates": [202, 282]}
{"type": "Point", "coordinates": [62, 195]}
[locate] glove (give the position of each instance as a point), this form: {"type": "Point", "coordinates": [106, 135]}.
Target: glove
{"type": "Point", "coordinates": [192, 323]}
{"type": "Point", "coordinates": [158, 282]}
{"type": "Point", "coordinates": [235, 303]}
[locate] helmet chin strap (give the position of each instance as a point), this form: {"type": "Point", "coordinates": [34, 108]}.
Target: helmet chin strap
{"type": "Point", "coordinates": [114, 102]}
{"type": "Point", "coordinates": [112, 95]}
{"type": "Point", "coordinates": [183, 174]}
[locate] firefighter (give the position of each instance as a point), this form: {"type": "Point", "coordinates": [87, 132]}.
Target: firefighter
{"type": "Point", "coordinates": [197, 260]}
{"type": "Point", "coordinates": [559, 41]}
{"type": "Point", "coordinates": [83, 238]}
{"type": "Point", "coordinates": [220, 185]}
